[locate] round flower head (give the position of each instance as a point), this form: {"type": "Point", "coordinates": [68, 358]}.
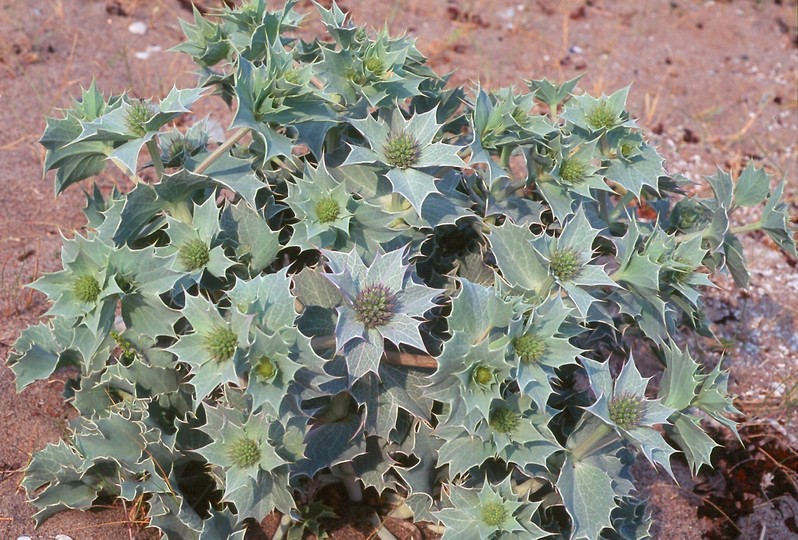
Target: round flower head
{"type": "Point", "coordinates": [401, 150]}
{"type": "Point", "coordinates": [374, 305]}
{"type": "Point", "coordinates": [482, 375]}
{"type": "Point", "coordinates": [493, 513]}
{"type": "Point", "coordinates": [221, 344]}
{"type": "Point", "coordinates": [194, 254]}
{"type": "Point", "coordinates": [327, 210]}
{"type": "Point", "coordinates": [265, 369]}
{"type": "Point", "coordinates": [86, 288]}
{"type": "Point", "coordinates": [139, 114]}
{"type": "Point", "coordinates": [601, 117]}
{"type": "Point", "coordinates": [564, 264]}
{"type": "Point", "coordinates": [504, 420]}
{"type": "Point", "coordinates": [375, 66]}
{"type": "Point", "coordinates": [244, 452]}
{"type": "Point", "coordinates": [529, 347]}
{"type": "Point", "coordinates": [626, 411]}
{"type": "Point", "coordinates": [573, 170]}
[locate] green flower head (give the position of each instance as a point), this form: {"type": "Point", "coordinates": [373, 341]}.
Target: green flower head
{"type": "Point", "coordinates": [529, 347]}
{"type": "Point", "coordinates": [600, 117]}
{"type": "Point", "coordinates": [622, 404]}
{"type": "Point", "coordinates": [491, 512]}
{"type": "Point", "coordinates": [626, 411]}
{"type": "Point", "coordinates": [564, 264]}
{"type": "Point", "coordinates": [240, 445]}
{"type": "Point", "coordinates": [504, 420]}
{"type": "Point", "coordinates": [86, 288]}
{"type": "Point", "coordinates": [194, 254]}
{"type": "Point", "coordinates": [327, 210]}
{"type": "Point", "coordinates": [221, 343]}
{"type": "Point", "coordinates": [401, 150]}
{"type": "Point", "coordinates": [139, 113]}
{"type": "Point", "coordinates": [213, 349]}
{"type": "Point", "coordinates": [243, 452]}
{"type": "Point", "coordinates": [406, 147]}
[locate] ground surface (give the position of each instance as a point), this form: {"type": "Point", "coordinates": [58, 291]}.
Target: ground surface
{"type": "Point", "coordinates": [713, 83]}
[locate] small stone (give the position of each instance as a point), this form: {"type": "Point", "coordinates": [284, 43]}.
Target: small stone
{"type": "Point", "coordinates": [139, 28]}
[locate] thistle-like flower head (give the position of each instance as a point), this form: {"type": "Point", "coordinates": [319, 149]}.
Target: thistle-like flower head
{"type": "Point", "coordinates": [139, 113]}
{"type": "Point", "coordinates": [573, 170]}
{"type": "Point", "coordinates": [405, 146]}
{"type": "Point", "coordinates": [194, 254]}
{"type": "Point", "coordinates": [86, 288]}
{"type": "Point", "coordinates": [240, 446]}
{"type": "Point", "coordinates": [504, 420]}
{"type": "Point", "coordinates": [327, 210]}
{"type": "Point", "coordinates": [539, 349]}
{"type": "Point", "coordinates": [380, 302]}
{"type": "Point", "coordinates": [215, 346]}
{"type": "Point", "coordinates": [491, 512]}
{"type": "Point", "coordinates": [622, 404]}
{"type": "Point", "coordinates": [569, 259]}
{"type": "Point", "coordinates": [529, 347]}
{"type": "Point", "coordinates": [221, 343]}
{"type": "Point", "coordinates": [243, 452]}
{"type": "Point", "coordinates": [374, 305]}
{"type": "Point", "coordinates": [197, 244]}
{"type": "Point", "coordinates": [601, 117]}
{"type": "Point", "coordinates": [86, 285]}
{"type": "Point", "coordinates": [323, 208]}
{"type": "Point", "coordinates": [401, 150]}
{"type": "Point", "coordinates": [273, 362]}
{"type": "Point", "coordinates": [564, 264]}
{"type": "Point", "coordinates": [626, 411]}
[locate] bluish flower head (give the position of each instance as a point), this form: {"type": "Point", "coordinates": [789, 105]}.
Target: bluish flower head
{"type": "Point", "coordinates": [380, 302]}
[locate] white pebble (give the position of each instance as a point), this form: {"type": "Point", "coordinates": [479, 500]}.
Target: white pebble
{"type": "Point", "coordinates": [138, 28]}
{"type": "Point", "coordinates": [62, 537]}
{"type": "Point", "coordinates": [23, 538]}
{"type": "Point", "coordinates": [144, 55]}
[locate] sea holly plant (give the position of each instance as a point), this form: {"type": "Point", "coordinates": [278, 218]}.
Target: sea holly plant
{"type": "Point", "coordinates": [355, 287]}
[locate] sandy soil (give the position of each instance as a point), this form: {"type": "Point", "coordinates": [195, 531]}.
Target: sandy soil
{"type": "Point", "coordinates": [714, 83]}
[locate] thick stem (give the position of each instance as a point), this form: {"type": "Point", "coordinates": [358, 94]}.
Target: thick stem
{"type": "Point", "coordinates": [604, 145]}
{"type": "Point", "coordinates": [592, 442]}
{"type": "Point", "coordinates": [505, 156]}
{"type": "Point", "coordinates": [223, 148]}
{"type": "Point", "coordinates": [155, 156]}
{"type": "Point", "coordinates": [351, 482]}
{"type": "Point", "coordinates": [746, 228]}
{"type": "Point", "coordinates": [130, 174]}
{"type": "Point", "coordinates": [282, 530]}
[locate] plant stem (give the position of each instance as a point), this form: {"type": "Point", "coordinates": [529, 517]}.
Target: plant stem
{"type": "Point", "coordinates": [155, 156]}
{"type": "Point", "coordinates": [282, 530]}
{"type": "Point", "coordinates": [351, 482]}
{"type": "Point", "coordinates": [223, 148]}
{"type": "Point", "coordinates": [505, 156]}
{"type": "Point", "coordinates": [746, 228]}
{"type": "Point", "coordinates": [591, 442]}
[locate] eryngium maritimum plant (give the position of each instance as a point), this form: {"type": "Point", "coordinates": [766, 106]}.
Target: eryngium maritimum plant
{"type": "Point", "coordinates": [356, 287]}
